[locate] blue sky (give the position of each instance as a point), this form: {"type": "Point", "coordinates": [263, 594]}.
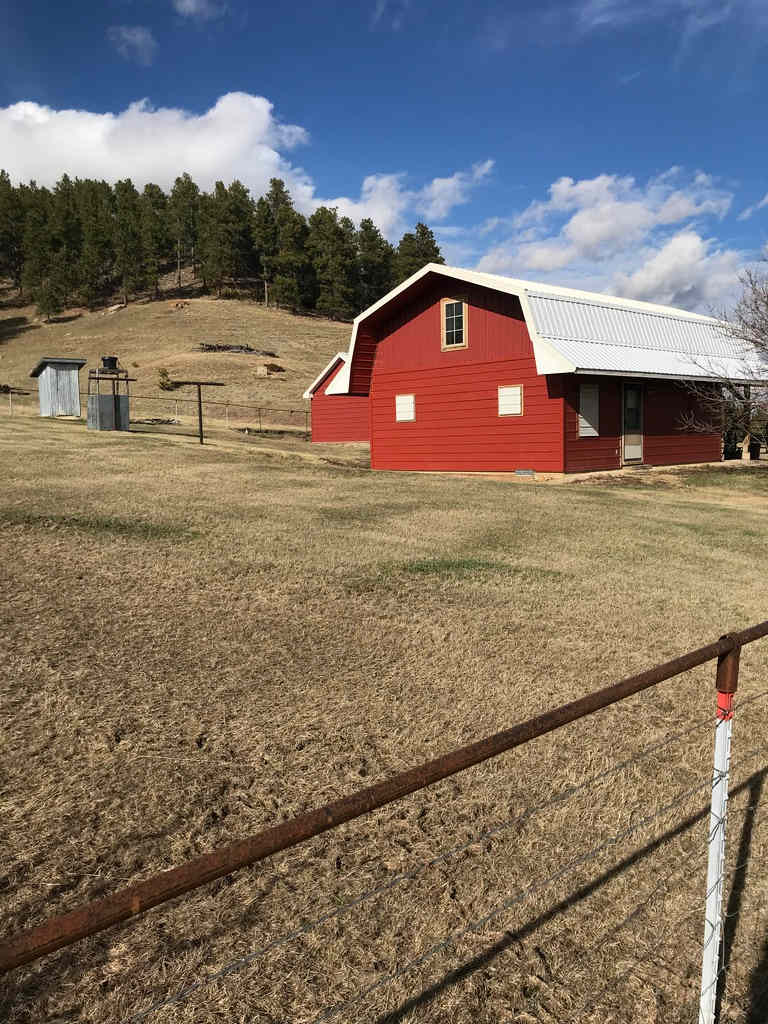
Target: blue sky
{"type": "Point", "coordinates": [617, 145]}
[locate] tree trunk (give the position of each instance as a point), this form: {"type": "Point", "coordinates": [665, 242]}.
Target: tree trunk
{"type": "Point", "coordinates": [178, 263]}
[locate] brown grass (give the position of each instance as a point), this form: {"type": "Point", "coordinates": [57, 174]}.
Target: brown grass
{"type": "Point", "coordinates": [199, 642]}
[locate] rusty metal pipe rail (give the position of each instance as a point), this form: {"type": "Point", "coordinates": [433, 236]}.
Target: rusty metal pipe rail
{"type": "Point", "coordinates": [95, 917]}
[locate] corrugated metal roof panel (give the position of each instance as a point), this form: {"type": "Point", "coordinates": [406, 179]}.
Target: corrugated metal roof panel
{"type": "Point", "coordinates": [598, 336]}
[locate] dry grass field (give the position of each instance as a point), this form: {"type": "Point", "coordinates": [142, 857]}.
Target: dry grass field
{"type": "Point", "coordinates": [197, 643]}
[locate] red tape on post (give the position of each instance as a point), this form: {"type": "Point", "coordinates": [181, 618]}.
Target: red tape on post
{"type": "Point", "coordinates": [724, 706]}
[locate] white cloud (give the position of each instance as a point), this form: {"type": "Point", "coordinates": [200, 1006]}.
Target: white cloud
{"type": "Point", "coordinates": [383, 197]}
{"type": "Point", "coordinates": [612, 233]}
{"type": "Point", "coordinates": [747, 213]}
{"type": "Point", "coordinates": [687, 271]}
{"type": "Point", "coordinates": [134, 42]}
{"type": "Point", "coordinates": [441, 195]}
{"type": "Point", "coordinates": [202, 10]}
{"type": "Point", "coordinates": [238, 137]}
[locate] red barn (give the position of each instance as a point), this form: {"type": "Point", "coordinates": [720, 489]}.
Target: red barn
{"type": "Point", "coordinates": [463, 370]}
{"type": "Point", "coordinates": [335, 414]}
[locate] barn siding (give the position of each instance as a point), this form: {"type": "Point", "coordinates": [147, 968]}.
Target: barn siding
{"type": "Point", "coordinates": [337, 418]}
{"type": "Point", "coordinates": [583, 454]}
{"type": "Point", "coordinates": [457, 426]}
{"type": "Point", "coordinates": [665, 443]}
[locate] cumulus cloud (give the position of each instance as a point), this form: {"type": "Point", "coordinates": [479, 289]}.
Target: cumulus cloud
{"type": "Point", "coordinates": [202, 10]}
{"type": "Point", "coordinates": [612, 233]}
{"type": "Point", "coordinates": [238, 137]}
{"type": "Point", "coordinates": [134, 42]}
{"type": "Point", "coordinates": [687, 271]}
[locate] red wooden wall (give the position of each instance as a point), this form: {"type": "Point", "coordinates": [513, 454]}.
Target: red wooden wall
{"type": "Point", "coordinates": [664, 442]}
{"type": "Point", "coordinates": [457, 426]}
{"type": "Point", "coordinates": [583, 454]}
{"type": "Point", "coordinates": [338, 417]}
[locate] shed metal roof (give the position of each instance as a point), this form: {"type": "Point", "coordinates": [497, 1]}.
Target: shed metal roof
{"type": "Point", "coordinates": [574, 331]}
{"type": "Point", "coordinates": [56, 361]}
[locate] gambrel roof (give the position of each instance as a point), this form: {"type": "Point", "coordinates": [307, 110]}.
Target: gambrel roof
{"type": "Point", "coordinates": [584, 332]}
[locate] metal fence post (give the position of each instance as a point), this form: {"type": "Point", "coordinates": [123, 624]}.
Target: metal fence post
{"type": "Point", "coordinates": [727, 680]}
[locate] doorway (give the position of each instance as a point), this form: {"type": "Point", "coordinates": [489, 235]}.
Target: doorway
{"type": "Point", "coordinates": [632, 423]}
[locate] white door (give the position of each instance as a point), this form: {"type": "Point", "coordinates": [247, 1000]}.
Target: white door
{"type": "Point", "coordinates": [633, 423]}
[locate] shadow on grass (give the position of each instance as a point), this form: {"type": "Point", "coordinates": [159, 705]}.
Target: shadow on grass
{"type": "Point", "coordinates": [110, 526]}
{"type": "Point", "coordinates": [12, 326]}
{"type": "Point", "coordinates": [753, 784]}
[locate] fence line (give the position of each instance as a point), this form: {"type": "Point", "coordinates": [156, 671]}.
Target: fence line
{"type": "Point", "coordinates": [442, 857]}
{"type": "Point", "coordinates": [95, 917]}
{"type": "Point", "coordinates": [262, 414]}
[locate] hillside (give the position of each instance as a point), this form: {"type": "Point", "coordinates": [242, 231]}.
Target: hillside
{"type": "Point", "coordinates": [146, 337]}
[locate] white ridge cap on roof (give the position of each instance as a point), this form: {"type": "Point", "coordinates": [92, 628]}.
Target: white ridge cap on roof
{"type": "Point", "coordinates": [332, 389]}
{"type": "Point", "coordinates": [574, 331]}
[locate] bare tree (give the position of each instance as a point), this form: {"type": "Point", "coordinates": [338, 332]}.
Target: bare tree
{"type": "Point", "coordinates": [738, 406]}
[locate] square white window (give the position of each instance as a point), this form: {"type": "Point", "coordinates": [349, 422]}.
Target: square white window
{"type": "Point", "coordinates": [589, 409]}
{"type": "Point", "coordinates": [511, 400]}
{"type": "Point", "coordinates": [454, 326]}
{"type": "Point", "coordinates": [405, 408]}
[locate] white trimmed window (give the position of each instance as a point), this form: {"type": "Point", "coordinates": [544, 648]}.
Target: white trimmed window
{"type": "Point", "coordinates": [511, 400]}
{"type": "Point", "coordinates": [405, 408]}
{"type": "Point", "coordinates": [589, 409]}
{"type": "Point", "coordinates": [455, 325]}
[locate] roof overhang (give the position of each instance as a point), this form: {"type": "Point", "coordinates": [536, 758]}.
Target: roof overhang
{"type": "Point", "coordinates": [56, 361]}
{"type": "Point", "coordinates": [340, 383]}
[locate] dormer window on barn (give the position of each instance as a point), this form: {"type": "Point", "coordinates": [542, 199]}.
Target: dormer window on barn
{"type": "Point", "coordinates": [455, 326]}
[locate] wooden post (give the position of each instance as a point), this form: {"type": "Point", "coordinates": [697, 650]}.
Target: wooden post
{"type": "Point", "coordinates": [200, 411]}
{"type": "Point", "coordinates": [259, 420]}
{"type": "Point", "coordinates": [10, 403]}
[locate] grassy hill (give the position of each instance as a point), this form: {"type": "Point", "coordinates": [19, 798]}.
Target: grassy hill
{"type": "Point", "coordinates": [148, 336]}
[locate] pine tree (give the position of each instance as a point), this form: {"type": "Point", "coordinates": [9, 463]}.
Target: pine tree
{"type": "Point", "coordinates": [240, 214]}
{"type": "Point", "coordinates": [11, 230]}
{"type": "Point", "coordinates": [66, 236]}
{"type": "Point", "coordinates": [265, 243]}
{"type": "Point", "coordinates": [281, 238]}
{"type": "Point", "coordinates": [97, 261]}
{"type": "Point", "coordinates": [183, 218]}
{"type": "Point", "coordinates": [129, 253]}
{"type": "Point", "coordinates": [375, 262]}
{"type": "Point", "coordinates": [331, 246]}
{"type": "Point", "coordinates": [415, 249]}
{"type": "Point", "coordinates": [39, 251]}
{"type": "Point", "coordinates": [155, 240]}
{"type": "Point", "coordinates": [214, 237]}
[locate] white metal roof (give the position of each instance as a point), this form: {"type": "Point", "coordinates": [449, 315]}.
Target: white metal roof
{"type": "Point", "coordinates": [340, 383]}
{"type": "Point", "coordinates": [574, 331]}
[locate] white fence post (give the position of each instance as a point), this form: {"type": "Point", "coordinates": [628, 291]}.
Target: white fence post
{"type": "Point", "coordinates": [727, 681]}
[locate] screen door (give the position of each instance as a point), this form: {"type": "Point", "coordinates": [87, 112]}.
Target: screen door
{"type": "Point", "coordinates": [633, 423]}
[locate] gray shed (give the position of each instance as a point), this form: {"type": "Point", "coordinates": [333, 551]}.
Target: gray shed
{"type": "Point", "coordinates": [58, 382]}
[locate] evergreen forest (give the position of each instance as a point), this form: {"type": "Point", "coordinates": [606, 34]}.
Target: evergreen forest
{"type": "Point", "coordinates": [85, 242]}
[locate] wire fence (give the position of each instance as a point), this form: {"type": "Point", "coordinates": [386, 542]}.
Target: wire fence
{"type": "Point", "coordinates": [572, 878]}
{"type": "Point", "coordinates": [154, 410]}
